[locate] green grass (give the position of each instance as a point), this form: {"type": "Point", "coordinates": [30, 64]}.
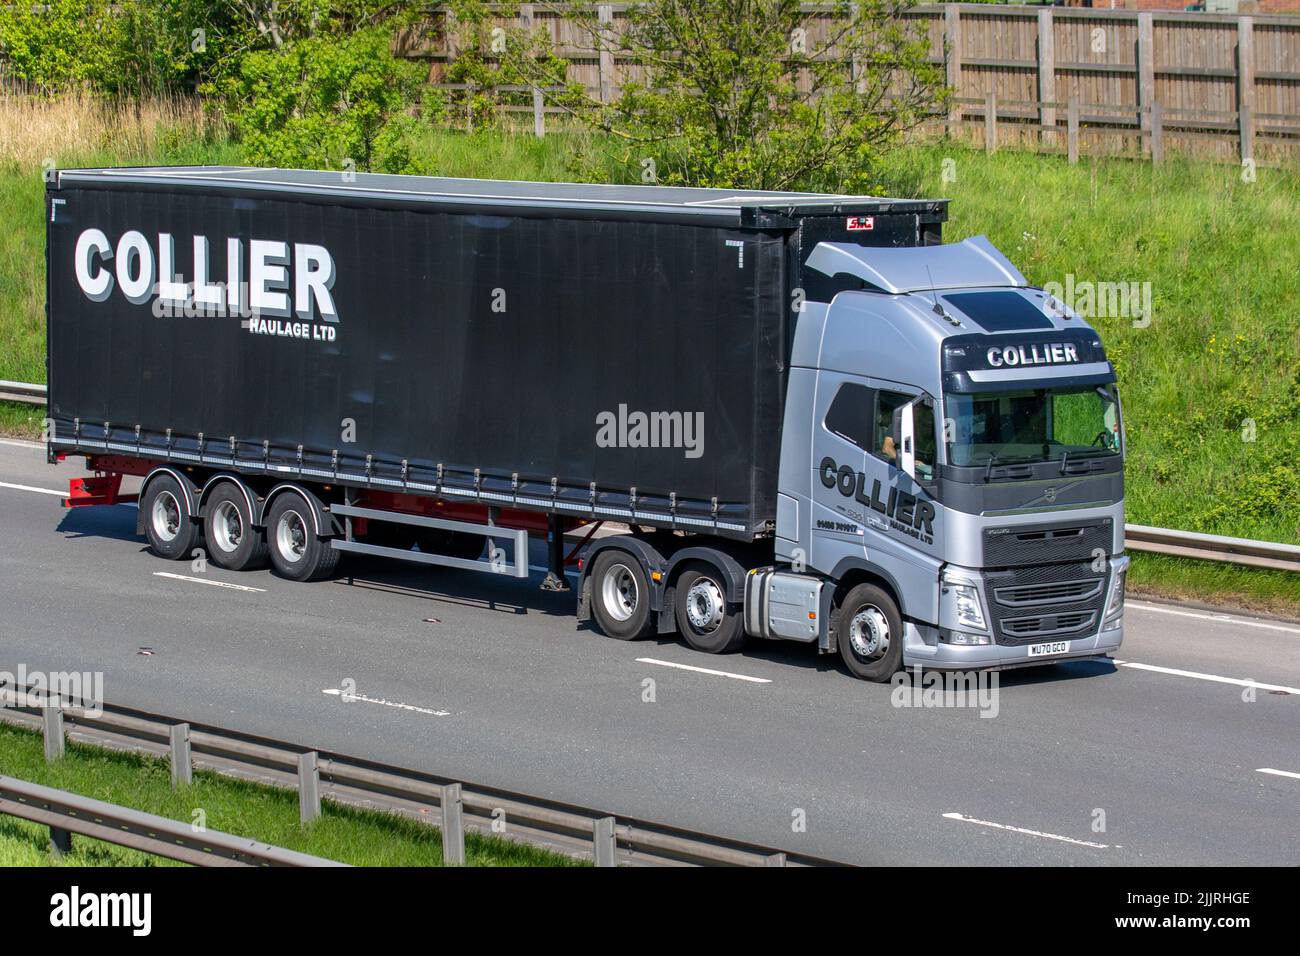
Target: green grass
{"type": "Point", "coordinates": [18, 420]}
{"type": "Point", "coordinates": [1208, 582]}
{"type": "Point", "coordinates": [1218, 364]}
{"type": "Point", "coordinates": [268, 814]}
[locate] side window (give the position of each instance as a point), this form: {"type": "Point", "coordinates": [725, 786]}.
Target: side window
{"type": "Point", "coordinates": [927, 448]}
{"type": "Point", "coordinates": [850, 414]}
{"type": "Point", "coordinates": [882, 444]}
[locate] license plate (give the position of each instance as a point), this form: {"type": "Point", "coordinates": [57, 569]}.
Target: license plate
{"type": "Point", "coordinates": [1045, 650]}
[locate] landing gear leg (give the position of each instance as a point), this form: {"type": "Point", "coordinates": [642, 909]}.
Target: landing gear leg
{"type": "Point", "coordinates": [555, 579]}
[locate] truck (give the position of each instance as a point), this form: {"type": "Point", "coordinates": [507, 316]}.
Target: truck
{"type": "Point", "coordinates": [805, 416]}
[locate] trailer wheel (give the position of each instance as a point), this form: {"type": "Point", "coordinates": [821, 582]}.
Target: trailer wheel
{"type": "Point", "coordinates": [296, 551]}
{"type": "Point", "coordinates": [869, 630]}
{"type": "Point", "coordinates": [233, 542]}
{"type": "Point", "coordinates": [620, 595]}
{"type": "Point", "coordinates": [705, 618]}
{"type": "Point", "coordinates": [168, 524]}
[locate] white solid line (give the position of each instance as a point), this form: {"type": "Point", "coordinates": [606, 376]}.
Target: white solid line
{"type": "Point", "coordinates": [19, 443]}
{"type": "Point", "coordinates": [704, 670]}
{"type": "Point", "coordinates": [41, 491]}
{"type": "Point", "coordinates": [337, 692]}
{"type": "Point", "coordinates": [1238, 681]}
{"type": "Point", "coordinates": [215, 584]}
{"type": "Point", "coordinates": [1220, 618]}
{"type": "Point", "coordinates": [1037, 833]}
{"type": "Point", "coordinates": [1279, 773]}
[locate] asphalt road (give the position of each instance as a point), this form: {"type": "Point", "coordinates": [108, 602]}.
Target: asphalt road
{"type": "Point", "coordinates": [1155, 761]}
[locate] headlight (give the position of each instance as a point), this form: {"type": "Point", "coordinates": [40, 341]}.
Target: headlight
{"type": "Point", "coordinates": [969, 611]}
{"type": "Point", "coordinates": [1115, 609]}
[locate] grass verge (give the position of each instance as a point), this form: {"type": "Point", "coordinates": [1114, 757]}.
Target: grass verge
{"type": "Point", "coordinates": [19, 420]}
{"type": "Point", "coordinates": [1229, 586]}
{"type": "Point", "coordinates": [268, 814]}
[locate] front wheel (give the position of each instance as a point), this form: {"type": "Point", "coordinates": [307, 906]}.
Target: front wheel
{"type": "Point", "coordinates": [869, 629]}
{"type": "Point", "coordinates": [704, 617]}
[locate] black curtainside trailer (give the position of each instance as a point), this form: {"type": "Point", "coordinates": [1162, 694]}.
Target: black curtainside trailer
{"type": "Point", "coordinates": [592, 351]}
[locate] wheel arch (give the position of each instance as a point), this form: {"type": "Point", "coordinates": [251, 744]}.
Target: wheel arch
{"type": "Point", "coordinates": [646, 554]}
{"type": "Point", "coordinates": [323, 521]}
{"type": "Point", "coordinates": [851, 572]}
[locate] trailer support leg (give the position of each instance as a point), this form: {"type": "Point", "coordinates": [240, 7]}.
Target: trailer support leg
{"type": "Point", "coordinates": [555, 579]}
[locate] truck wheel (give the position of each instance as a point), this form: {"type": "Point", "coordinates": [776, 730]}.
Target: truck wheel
{"type": "Point", "coordinates": [869, 630]}
{"type": "Point", "coordinates": [704, 617]}
{"type": "Point", "coordinates": [296, 552]}
{"type": "Point", "coordinates": [620, 596]}
{"type": "Point", "coordinates": [233, 542]}
{"type": "Point", "coordinates": [168, 524]}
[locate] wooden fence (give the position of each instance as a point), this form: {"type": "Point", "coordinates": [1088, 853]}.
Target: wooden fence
{"type": "Point", "coordinates": [1218, 84]}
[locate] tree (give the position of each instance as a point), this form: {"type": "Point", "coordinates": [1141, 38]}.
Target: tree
{"type": "Point", "coordinates": [745, 93]}
{"type": "Point", "coordinates": [325, 102]}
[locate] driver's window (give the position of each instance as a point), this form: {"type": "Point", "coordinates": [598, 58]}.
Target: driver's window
{"type": "Point", "coordinates": [927, 448]}
{"type": "Point", "coordinates": [882, 444]}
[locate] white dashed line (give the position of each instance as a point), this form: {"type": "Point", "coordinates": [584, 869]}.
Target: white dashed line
{"type": "Point", "coordinates": [215, 584]}
{"type": "Point", "coordinates": [1279, 773]}
{"type": "Point", "coordinates": [704, 670]}
{"type": "Point", "coordinates": [39, 491]}
{"type": "Point", "coordinates": [362, 698]}
{"type": "Point", "coordinates": [1218, 618]}
{"type": "Point", "coordinates": [1215, 678]}
{"type": "Point", "coordinates": [1035, 833]}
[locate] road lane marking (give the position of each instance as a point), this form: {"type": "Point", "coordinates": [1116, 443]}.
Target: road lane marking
{"type": "Point", "coordinates": [215, 584]}
{"type": "Point", "coordinates": [1279, 773]}
{"type": "Point", "coordinates": [19, 443]}
{"type": "Point", "coordinates": [1036, 833]}
{"type": "Point", "coordinates": [348, 698]}
{"type": "Point", "coordinates": [39, 491]}
{"type": "Point", "coordinates": [1219, 618]}
{"type": "Point", "coordinates": [704, 670]}
{"type": "Point", "coordinates": [1215, 678]}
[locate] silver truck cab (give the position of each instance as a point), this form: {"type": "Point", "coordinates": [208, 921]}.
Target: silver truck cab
{"type": "Point", "coordinates": [953, 436]}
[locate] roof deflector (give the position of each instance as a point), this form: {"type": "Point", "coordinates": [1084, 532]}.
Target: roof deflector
{"type": "Point", "coordinates": [970, 264]}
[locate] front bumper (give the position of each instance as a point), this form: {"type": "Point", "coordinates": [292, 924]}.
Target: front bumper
{"type": "Point", "coordinates": [940, 656]}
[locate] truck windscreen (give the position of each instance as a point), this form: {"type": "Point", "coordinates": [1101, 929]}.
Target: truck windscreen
{"type": "Point", "coordinates": [1034, 425]}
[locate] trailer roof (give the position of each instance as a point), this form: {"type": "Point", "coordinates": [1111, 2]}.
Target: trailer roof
{"type": "Point", "coordinates": [722, 205]}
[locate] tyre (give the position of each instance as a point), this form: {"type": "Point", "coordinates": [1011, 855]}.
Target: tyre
{"type": "Point", "coordinates": [452, 544]}
{"type": "Point", "coordinates": [705, 618]}
{"type": "Point", "coordinates": [869, 630]}
{"type": "Point", "coordinates": [171, 529]}
{"type": "Point", "coordinates": [297, 553]}
{"type": "Point", "coordinates": [233, 542]}
{"type": "Point", "coordinates": [620, 596]}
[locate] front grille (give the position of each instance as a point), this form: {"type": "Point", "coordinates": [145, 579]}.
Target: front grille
{"type": "Point", "coordinates": [1019, 545]}
{"type": "Point", "coordinates": [1038, 595]}
{"type": "Point", "coordinates": [1031, 603]}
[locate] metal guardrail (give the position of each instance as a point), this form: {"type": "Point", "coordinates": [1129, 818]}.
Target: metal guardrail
{"type": "Point", "coordinates": [22, 392]}
{"type": "Point", "coordinates": [1212, 547]}
{"type": "Point", "coordinates": [67, 813]}
{"type": "Point", "coordinates": [1182, 544]}
{"type": "Point", "coordinates": [560, 827]}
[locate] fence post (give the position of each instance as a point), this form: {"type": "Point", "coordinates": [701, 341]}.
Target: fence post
{"type": "Point", "coordinates": [952, 39]}
{"type": "Point", "coordinates": [308, 787]}
{"type": "Point", "coordinates": [449, 33]}
{"type": "Point", "coordinates": [1072, 130]}
{"type": "Point", "coordinates": [1047, 75]}
{"type": "Point", "coordinates": [60, 841]}
{"type": "Point", "coordinates": [604, 842]}
{"type": "Point", "coordinates": [990, 122]}
{"type": "Point", "coordinates": [182, 763]}
{"type": "Point", "coordinates": [453, 825]}
{"type": "Point", "coordinates": [1146, 65]}
{"type": "Point", "coordinates": [605, 14]}
{"type": "Point", "coordinates": [539, 114]}
{"type": "Point", "coordinates": [1246, 85]}
{"type": "Point", "coordinates": [52, 716]}
{"type": "Point", "coordinates": [1157, 133]}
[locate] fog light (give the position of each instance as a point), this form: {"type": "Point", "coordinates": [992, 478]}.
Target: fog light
{"type": "Point", "coordinates": [964, 639]}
